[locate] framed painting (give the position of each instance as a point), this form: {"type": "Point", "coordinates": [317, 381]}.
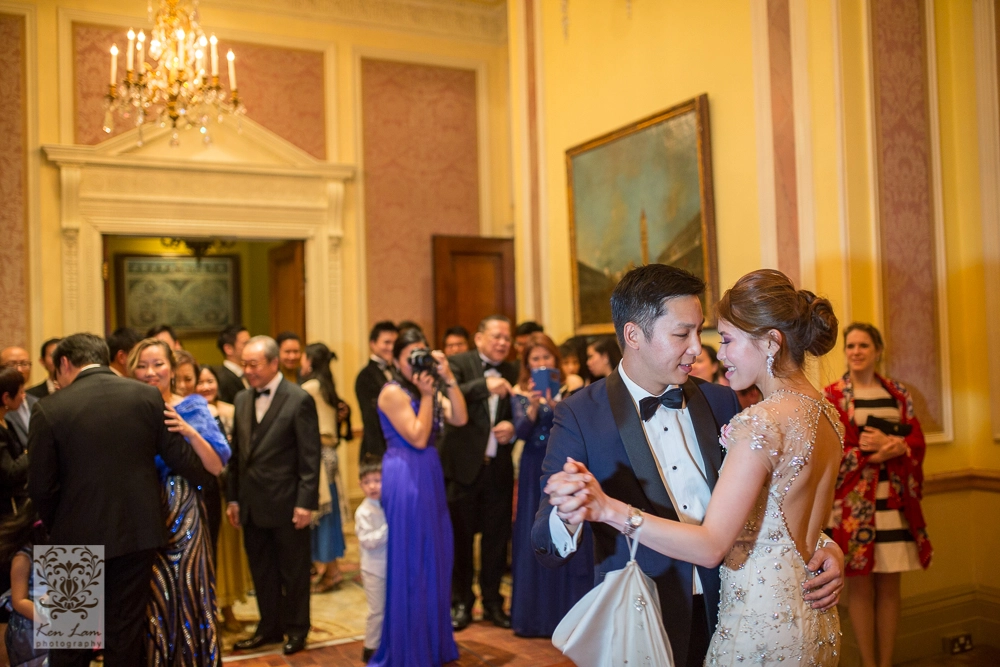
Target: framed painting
{"type": "Point", "coordinates": [638, 195]}
{"type": "Point", "coordinates": [193, 295]}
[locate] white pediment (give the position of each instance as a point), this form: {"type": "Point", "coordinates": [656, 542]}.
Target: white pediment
{"type": "Point", "coordinates": [234, 145]}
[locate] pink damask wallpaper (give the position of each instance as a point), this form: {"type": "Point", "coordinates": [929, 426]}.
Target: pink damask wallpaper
{"type": "Point", "coordinates": [420, 178]}
{"type": "Point", "coordinates": [13, 212]}
{"type": "Point", "coordinates": [282, 88]}
{"type": "Point", "coordinates": [906, 215]}
{"type": "Point", "coordinates": [783, 123]}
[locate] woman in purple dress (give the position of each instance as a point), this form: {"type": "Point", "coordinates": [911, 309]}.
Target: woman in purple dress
{"type": "Point", "coordinates": [412, 409]}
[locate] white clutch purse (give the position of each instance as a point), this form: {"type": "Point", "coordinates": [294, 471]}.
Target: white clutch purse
{"type": "Point", "coordinates": [618, 623]}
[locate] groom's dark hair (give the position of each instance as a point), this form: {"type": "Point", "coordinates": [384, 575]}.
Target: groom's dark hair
{"type": "Point", "coordinates": [640, 294]}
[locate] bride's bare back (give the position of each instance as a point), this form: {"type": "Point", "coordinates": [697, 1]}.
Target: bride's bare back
{"type": "Point", "coordinates": [762, 616]}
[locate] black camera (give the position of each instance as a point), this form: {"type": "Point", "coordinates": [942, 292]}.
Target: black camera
{"type": "Point", "coordinates": [421, 361]}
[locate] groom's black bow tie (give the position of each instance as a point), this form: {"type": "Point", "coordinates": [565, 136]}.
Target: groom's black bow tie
{"type": "Point", "coordinates": [263, 392]}
{"type": "Point", "coordinates": [487, 366]}
{"type": "Point", "coordinates": [672, 398]}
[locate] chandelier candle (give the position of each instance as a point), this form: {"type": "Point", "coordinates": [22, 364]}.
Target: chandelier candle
{"type": "Point", "coordinates": [114, 64]}
{"type": "Point", "coordinates": [215, 56]}
{"type": "Point", "coordinates": [130, 53]}
{"type": "Point", "coordinates": [231, 57]}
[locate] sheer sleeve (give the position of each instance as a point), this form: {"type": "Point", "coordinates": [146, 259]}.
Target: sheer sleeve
{"type": "Point", "coordinates": [757, 429]}
{"type": "Point", "coordinates": [194, 410]}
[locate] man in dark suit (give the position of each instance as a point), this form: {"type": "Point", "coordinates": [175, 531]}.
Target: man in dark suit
{"type": "Point", "coordinates": [120, 344]}
{"type": "Point", "coordinates": [48, 385]}
{"type": "Point", "coordinates": [479, 473]}
{"type": "Point", "coordinates": [93, 480]}
{"type": "Point", "coordinates": [369, 384]}
{"type": "Point", "coordinates": [20, 419]}
{"type": "Point", "coordinates": [273, 490]}
{"type": "Point", "coordinates": [230, 373]}
{"type": "Point", "coordinates": [649, 434]}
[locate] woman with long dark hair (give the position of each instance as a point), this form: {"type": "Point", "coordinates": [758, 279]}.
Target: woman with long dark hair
{"type": "Point", "coordinates": [416, 629]}
{"type": "Point", "coordinates": [328, 532]}
{"type": "Point", "coordinates": [603, 356]}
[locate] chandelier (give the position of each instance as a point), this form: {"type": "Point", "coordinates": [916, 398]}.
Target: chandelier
{"type": "Point", "coordinates": [178, 84]}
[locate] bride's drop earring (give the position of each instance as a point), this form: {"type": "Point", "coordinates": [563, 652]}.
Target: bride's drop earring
{"type": "Point", "coordinates": [770, 364]}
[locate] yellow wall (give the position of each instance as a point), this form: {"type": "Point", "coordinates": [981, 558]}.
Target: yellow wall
{"type": "Point", "coordinates": [612, 70]}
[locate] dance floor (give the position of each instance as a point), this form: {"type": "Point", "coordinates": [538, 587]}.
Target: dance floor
{"type": "Point", "coordinates": [338, 623]}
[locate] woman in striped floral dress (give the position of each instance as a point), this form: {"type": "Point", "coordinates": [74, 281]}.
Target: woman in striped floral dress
{"type": "Point", "coordinates": [877, 519]}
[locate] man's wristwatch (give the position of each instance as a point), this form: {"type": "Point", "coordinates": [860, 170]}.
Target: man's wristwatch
{"type": "Point", "coordinates": [633, 520]}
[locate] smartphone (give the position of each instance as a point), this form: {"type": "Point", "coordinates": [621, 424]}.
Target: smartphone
{"type": "Point", "coordinates": [546, 378]}
{"type": "Point", "coordinates": [888, 427]}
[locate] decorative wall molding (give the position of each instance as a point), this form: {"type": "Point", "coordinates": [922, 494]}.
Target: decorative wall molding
{"type": "Point", "coordinates": [36, 332]}
{"type": "Point", "coordinates": [484, 20]}
{"type": "Point", "coordinates": [766, 205]}
{"type": "Point", "coordinates": [910, 218]}
{"type": "Point", "coordinates": [947, 432]}
{"type": "Point", "coordinates": [970, 479]}
{"type": "Point", "coordinates": [988, 116]}
{"type": "Point", "coordinates": [843, 217]}
{"type": "Point", "coordinates": [802, 102]}
{"type": "Point", "coordinates": [246, 185]}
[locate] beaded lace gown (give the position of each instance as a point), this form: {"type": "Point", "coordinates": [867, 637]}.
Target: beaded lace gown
{"type": "Point", "coordinates": [763, 619]}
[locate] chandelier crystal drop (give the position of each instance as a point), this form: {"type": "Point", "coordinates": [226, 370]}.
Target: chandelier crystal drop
{"type": "Point", "coordinates": [177, 85]}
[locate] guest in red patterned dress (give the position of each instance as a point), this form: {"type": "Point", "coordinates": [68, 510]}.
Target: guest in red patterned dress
{"type": "Point", "coordinates": [877, 519]}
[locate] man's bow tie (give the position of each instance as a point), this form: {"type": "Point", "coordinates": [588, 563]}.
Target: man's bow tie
{"type": "Point", "coordinates": [266, 392]}
{"type": "Point", "coordinates": [487, 366]}
{"type": "Point", "coordinates": [672, 398]}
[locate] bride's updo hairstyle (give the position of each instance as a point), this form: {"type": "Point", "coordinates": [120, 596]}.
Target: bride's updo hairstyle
{"type": "Point", "coordinates": [766, 299]}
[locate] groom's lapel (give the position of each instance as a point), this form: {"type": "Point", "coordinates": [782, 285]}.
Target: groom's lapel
{"type": "Point", "coordinates": [705, 429]}
{"type": "Point", "coordinates": [637, 447]}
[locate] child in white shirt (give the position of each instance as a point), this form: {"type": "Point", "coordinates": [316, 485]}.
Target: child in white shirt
{"type": "Point", "coordinates": [371, 529]}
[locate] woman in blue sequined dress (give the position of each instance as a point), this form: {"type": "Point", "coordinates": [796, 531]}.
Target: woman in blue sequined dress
{"type": "Point", "coordinates": [412, 409]}
{"type": "Point", "coordinates": [182, 614]}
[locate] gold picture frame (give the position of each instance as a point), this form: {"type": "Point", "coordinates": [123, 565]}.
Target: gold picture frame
{"type": "Point", "coordinates": [641, 193]}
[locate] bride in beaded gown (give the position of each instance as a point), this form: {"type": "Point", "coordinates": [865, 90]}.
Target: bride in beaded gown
{"type": "Point", "coordinates": [776, 486]}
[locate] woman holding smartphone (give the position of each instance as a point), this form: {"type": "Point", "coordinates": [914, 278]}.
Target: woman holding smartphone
{"type": "Point", "coordinates": [877, 519]}
{"type": "Point", "coordinates": [541, 597]}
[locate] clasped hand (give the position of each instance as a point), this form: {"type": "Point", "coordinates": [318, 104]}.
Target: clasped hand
{"type": "Point", "coordinates": [576, 495]}
{"type": "Point", "coordinates": [881, 446]}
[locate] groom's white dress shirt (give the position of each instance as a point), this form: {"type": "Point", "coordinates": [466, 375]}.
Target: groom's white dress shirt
{"type": "Point", "coordinates": [671, 437]}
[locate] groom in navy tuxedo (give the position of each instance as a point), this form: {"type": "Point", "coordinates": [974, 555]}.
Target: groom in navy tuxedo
{"type": "Point", "coordinates": [649, 434]}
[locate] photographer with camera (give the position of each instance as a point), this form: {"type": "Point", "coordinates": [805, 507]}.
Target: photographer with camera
{"type": "Point", "coordinates": [479, 470]}
{"type": "Point", "coordinates": [413, 409]}
{"type": "Point", "coordinates": [877, 519]}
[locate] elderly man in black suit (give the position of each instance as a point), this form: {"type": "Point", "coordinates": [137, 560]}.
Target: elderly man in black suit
{"type": "Point", "coordinates": [273, 490]}
{"type": "Point", "coordinates": [93, 480]}
{"type": "Point", "coordinates": [230, 372]}
{"type": "Point", "coordinates": [370, 382]}
{"type": "Point", "coordinates": [479, 472]}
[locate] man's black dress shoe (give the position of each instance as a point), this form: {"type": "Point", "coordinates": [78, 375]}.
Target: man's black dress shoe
{"type": "Point", "coordinates": [294, 645]}
{"type": "Point", "coordinates": [255, 642]}
{"type": "Point", "coordinates": [497, 616]}
{"type": "Point", "coordinates": [460, 617]}
{"type": "Point", "coordinates": [366, 654]}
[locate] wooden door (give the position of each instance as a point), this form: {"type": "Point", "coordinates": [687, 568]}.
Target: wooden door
{"type": "Point", "coordinates": [287, 283]}
{"type": "Point", "coordinates": [473, 278]}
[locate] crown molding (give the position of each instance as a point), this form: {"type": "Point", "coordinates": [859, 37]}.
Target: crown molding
{"type": "Point", "coordinates": [481, 20]}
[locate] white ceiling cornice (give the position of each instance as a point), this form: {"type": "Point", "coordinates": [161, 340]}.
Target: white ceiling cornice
{"type": "Point", "coordinates": [482, 20]}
